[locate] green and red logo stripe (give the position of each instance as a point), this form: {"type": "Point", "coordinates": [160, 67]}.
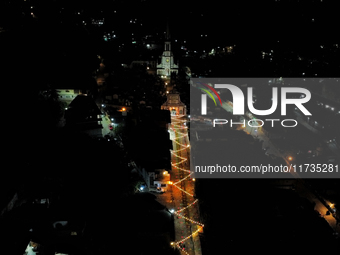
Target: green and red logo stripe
{"type": "Point", "coordinates": [213, 90]}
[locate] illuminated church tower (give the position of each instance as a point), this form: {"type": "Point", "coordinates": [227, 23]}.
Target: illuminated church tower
{"type": "Point", "coordinates": [174, 105]}
{"type": "Point", "coordinates": [167, 64]}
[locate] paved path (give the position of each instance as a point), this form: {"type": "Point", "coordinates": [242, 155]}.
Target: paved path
{"type": "Point", "coordinates": [105, 123]}
{"type": "Point", "coordinates": [181, 196]}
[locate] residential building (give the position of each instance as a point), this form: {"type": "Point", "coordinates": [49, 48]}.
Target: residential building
{"type": "Point", "coordinates": [67, 94]}
{"type": "Point", "coordinates": [150, 65]}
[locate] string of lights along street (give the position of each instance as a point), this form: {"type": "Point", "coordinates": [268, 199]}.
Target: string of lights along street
{"type": "Point", "coordinates": [180, 131]}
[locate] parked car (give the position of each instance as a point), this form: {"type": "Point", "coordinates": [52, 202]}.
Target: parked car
{"type": "Point", "coordinates": [156, 190]}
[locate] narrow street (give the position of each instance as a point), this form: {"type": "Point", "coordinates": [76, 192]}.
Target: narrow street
{"type": "Point", "coordinates": [106, 123]}
{"type": "Point", "coordinates": [180, 195]}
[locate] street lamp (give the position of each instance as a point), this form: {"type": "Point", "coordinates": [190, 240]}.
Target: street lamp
{"type": "Point", "coordinates": [290, 158]}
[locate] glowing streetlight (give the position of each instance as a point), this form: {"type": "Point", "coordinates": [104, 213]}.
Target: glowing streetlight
{"type": "Point", "coordinates": [290, 158]}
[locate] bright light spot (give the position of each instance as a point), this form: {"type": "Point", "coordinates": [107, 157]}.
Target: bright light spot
{"type": "Point", "coordinates": [172, 211]}
{"type": "Point", "coordinates": [290, 158]}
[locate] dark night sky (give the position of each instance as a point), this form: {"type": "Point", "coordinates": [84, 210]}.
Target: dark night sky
{"type": "Point", "coordinates": [235, 21]}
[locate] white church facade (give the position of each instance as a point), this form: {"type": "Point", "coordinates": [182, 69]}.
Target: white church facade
{"type": "Point", "coordinates": [167, 65]}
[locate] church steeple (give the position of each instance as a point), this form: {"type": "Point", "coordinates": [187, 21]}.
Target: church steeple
{"type": "Point", "coordinates": [167, 43]}
{"type": "Point", "coordinates": [167, 36]}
